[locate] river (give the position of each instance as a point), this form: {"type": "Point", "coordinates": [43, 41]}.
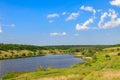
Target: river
{"type": "Point", "coordinates": [32, 63]}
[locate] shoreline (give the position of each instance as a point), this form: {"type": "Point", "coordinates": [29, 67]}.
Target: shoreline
{"type": "Point", "coordinates": [48, 67]}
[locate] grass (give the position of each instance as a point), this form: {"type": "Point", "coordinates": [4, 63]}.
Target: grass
{"type": "Point", "coordinates": [104, 65]}
{"type": "Point", "coordinates": [11, 51]}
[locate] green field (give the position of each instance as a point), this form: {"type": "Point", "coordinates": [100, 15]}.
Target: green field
{"type": "Point", "coordinates": [102, 64]}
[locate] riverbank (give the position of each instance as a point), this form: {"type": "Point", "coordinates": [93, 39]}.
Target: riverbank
{"type": "Point", "coordinates": [104, 65]}
{"type": "Point", "coordinates": [12, 51]}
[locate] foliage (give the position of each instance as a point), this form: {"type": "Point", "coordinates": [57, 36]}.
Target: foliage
{"type": "Point", "coordinates": [118, 54]}
{"type": "Point", "coordinates": [9, 51]}
{"type": "Point", "coordinates": [40, 68]}
{"type": "Point", "coordinates": [100, 67]}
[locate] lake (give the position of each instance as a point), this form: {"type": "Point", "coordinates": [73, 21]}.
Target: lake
{"type": "Point", "coordinates": [32, 63]}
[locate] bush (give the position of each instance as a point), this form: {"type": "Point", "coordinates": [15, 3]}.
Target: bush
{"type": "Point", "coordinates": [107, 56]}
{"type": "Point", "coordinates": [40, 68]}
{"type": "Point", "coordinates": [118, 54]}
{"type": "Point", "coordinates": [94, 57]}
{"type": "Point", "coordinates": [23, 55]}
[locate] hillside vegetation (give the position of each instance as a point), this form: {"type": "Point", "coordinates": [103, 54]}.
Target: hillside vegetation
{"type": "Point", "coordinates": [9, 51]}
{"type": "Point", "coordinates": [104, 64]}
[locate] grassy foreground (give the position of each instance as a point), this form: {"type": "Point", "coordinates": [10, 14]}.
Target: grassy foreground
{"type": "Point", "coordinates": [103, 65]}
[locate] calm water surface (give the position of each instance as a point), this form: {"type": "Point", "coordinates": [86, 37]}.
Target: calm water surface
{"type": "Point", "coordinates": [31, 64]}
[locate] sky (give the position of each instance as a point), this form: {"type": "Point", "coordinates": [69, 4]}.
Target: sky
{"type": "Point", "coordinates": [60, 22]}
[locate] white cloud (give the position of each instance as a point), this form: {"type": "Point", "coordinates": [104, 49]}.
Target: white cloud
{"type": "Point", "coordinates": [115, 3]}
{"type": "Point", "coordinates": [84, 26]}
{"type": "Point", "coordinates": [9, 25]}
{"type": "Point", "coordinates": [76, 34]}
{"type": "Point", "coordinates": [113, 22]}
{"type": "Point", "coordinates": [4, 25]}
{"type": "Point", "coordinates": [64, 33]}
{"type": "Point", "coordinates": [58, 34]}
{"type": "Point", "coordinates": [51, 21]}
{"type": "Point", "coordinates": [12, 25]}
{"type": "Point", "coordinates": [81, 27]}
{"type": "Point", "coordinates": [54, 34]}
{"type": "Point", "coordinates": [0, 28]}
{"type": "Point", "coordinates": [88, 8]}
{"type": "Point", "coordinates": [102, 19]}
{"type": "Point", "coordinates": [53, 15]}
{"type": "Point", "coordinates": [64, 13]}
{"type": "Point", "coordinates": [72, 16]}
{"type": "Point", "coordinates": [112, 14]}
{"type": "Point", "coordinates": [99, 10]}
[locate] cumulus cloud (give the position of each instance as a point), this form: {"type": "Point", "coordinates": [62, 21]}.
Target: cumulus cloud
{"type": "Point", "coordinates": [104, 15]}
{"type": "Point", "coordinates": [64, 13]}
{"type": "Point", "coordinates": [53, 15]}
{"type": "Point", "coordinates": [113, 22]}
{"type": "Point", "coordinates": [72, 16]}
{"type": "Point", "coordinates": [115, 3]}
{"type": "Point", "coordinates": [88, 8]}
{"type": "Point", "coordinates": [84, 26]}
{"type": "Point", "coordinates": [58, 34]}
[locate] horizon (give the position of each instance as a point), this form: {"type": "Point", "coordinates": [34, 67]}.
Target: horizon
{"type": "Point", "coordinates": [45, 22]}
{"type": "Point", "coordinates": [62, 45]}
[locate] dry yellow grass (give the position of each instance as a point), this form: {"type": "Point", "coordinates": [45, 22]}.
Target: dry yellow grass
{"type": "Point", "coordinates": [45, 51]}
{"type": "Point", "coordinates": [15, 51]}
{"type": "Point", "coordinates": [113, 53]}
{"type": "Point", "coordinates": [111, 74]}
{"type": "Point", "coordinates": [112, 48]}
{"type": "Point", "coordinates": [62, 77]}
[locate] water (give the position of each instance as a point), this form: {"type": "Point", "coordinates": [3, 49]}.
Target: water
{"type": "Point", "coordinates": [31, 64]}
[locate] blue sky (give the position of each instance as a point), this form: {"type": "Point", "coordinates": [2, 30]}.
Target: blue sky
{"type": "Point", "coordinates": [60, 22]}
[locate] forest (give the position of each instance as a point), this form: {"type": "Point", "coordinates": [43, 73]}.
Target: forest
{"type": "Point", "coordinates": [9, 51]}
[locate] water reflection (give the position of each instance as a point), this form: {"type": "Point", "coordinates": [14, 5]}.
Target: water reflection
{"type": "Point", "coordinates": [31, 64]}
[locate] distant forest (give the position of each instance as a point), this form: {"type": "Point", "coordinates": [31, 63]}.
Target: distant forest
{"type": "Point", "coordinates": [33, 47]}
{"type": "Point", "coordinates": [8, 51]}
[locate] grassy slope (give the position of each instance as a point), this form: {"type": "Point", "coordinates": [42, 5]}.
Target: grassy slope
{"type": "Point", "coordinates": [105, 65]}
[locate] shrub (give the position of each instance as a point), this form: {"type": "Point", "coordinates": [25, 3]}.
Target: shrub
{"type": "Point", "coordinates": [118, 54]}
{"type": "Point", "coordinates": [94, 57]}
{"type": "Point", "coordinates": [40, 68]}
{"type": "Point", "coordinates": [23, 54]}
{"type": "Point", "coordinates": [107, 56]}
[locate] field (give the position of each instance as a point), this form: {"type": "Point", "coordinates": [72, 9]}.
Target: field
{"type": "Point", "coordinates": [104, 64]}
